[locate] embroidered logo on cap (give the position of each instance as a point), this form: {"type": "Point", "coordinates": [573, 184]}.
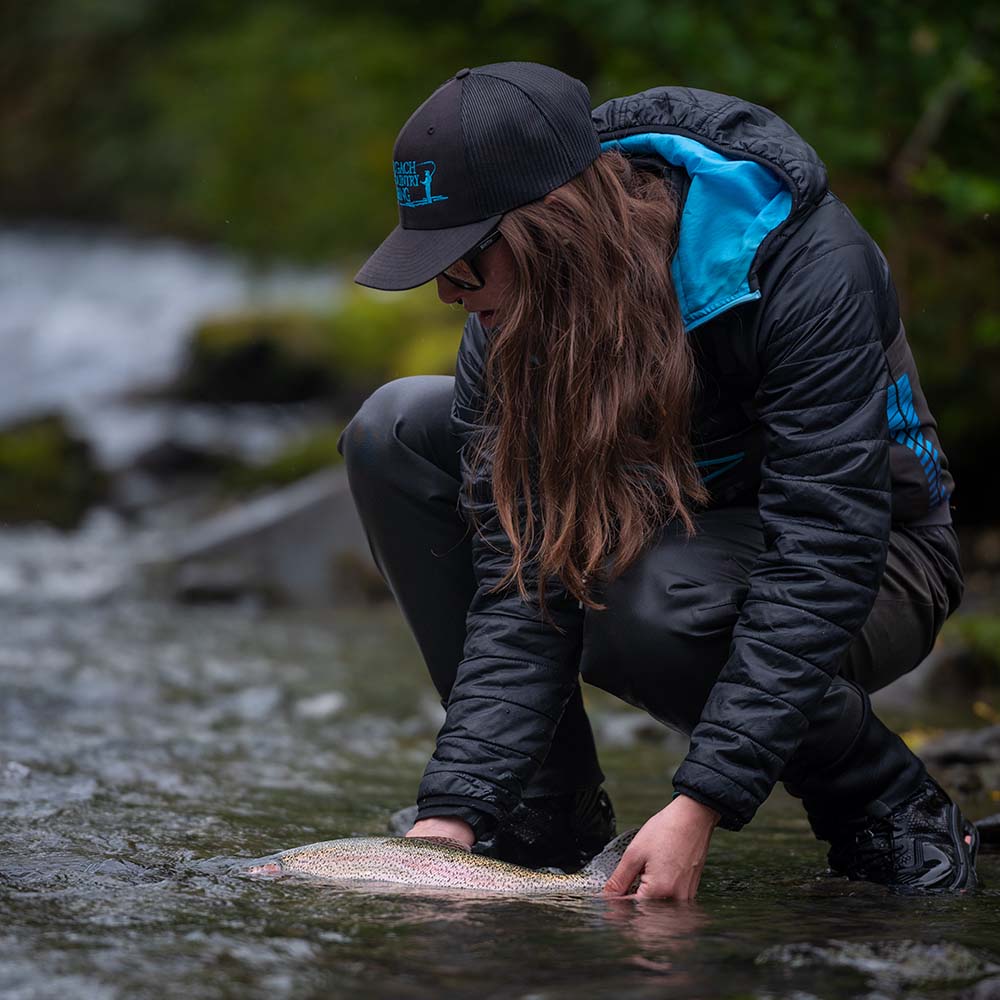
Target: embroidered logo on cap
{"type": "Point", "coordinates": [413, 182]}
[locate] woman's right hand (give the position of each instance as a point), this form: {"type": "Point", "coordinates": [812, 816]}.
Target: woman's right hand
{"type": "Point", "coordinates": [449, 827]}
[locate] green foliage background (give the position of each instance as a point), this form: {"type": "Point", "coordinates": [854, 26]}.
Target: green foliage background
{"type": "Point", "coordinates": [267, 126]}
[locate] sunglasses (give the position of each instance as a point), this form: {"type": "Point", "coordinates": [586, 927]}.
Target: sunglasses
{"type": "Point", "coordinates": [464, 273]}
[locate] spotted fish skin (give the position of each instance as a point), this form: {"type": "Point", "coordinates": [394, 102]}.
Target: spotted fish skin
{"type": "Point", "coordinates": [436, 863]}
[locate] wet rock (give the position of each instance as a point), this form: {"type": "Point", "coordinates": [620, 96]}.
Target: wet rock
{"type": "Point", "coordinates": [987, 989]}
{"type": "Point", "coordinates": [888, 962]}
{"type": "Point", "coordinates": [162, 437]}
{"type": "Point", "coordinates": [342, 354]}
{"type": "Point", "coordinates": [47, 474]}
{"type": "Point", "coordinates": [268, 357]}
{"type": "Point", "coordinates": [224, 582]}
{"type": "Point", "coordinates": [968, 761]}
{"type": "Point", "coordinates": [963, 779]}
{"type": "Point", "coordinates": [967, 746]}
{"type": "Point", "coordinates": [289, 546]}
{"type": "Point", "coordinates": [154, 451]}
{"type": "Point", "coordinates": [989, 829]}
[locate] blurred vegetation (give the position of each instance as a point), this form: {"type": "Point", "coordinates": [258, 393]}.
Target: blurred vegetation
{"type": "Point", "coordinates": [278, 357]}
{"type": "Point", "coordinates": [316, 451]}
{"type": "Point", "coordinates": [976, 662]}
{"type": "Point", "coordinates": [46, 474]}
{"type": "Point", "coordinates": [267, 126]}
{"type": "Point", "coordinates": [268, 358]}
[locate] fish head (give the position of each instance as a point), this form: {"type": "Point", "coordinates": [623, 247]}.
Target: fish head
{"type": "Point", "coordinates": [268, 869]}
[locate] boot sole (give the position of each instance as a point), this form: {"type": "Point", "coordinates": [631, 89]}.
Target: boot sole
{"type": "Point", "coordinates": [972, 831]}
{"type": "Point", "coordinates": [966, 853]}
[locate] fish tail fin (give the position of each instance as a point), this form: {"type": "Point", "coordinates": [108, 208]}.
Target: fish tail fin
{"type": "Point", "coordinates": [602, 865]}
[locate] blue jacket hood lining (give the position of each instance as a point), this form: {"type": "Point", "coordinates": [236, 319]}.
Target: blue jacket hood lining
{"type": "Point", "coordinates": [731, 206]}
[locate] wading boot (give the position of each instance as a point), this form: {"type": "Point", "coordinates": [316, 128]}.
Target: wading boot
{"type": "Point", "coordinates": [557, 831]}
{"type": "Point", "coordinates": [923, 844]}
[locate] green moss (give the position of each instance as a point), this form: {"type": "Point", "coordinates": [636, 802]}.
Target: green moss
{"type": "Point", "coordinates": [368, 339]}
{"type": "Point", "coordinates": [970, 667]}
{"type": "Point", "coordinates": [272, 358]}
{"type": "Point", "coordinates": [46, 474]}
{"type": "Point", "coordinates": [300, 459]}
{"type": "Point", "coordinates": [383, 335]}
{"type": "Point", "coordinates": [980, 635]}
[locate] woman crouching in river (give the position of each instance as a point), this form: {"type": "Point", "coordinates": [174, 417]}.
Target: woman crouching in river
{"type": "Point", "coordinates": [685, 457]}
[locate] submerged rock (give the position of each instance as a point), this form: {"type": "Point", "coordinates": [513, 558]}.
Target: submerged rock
{"type": "Point", "coordinates": [47, 474]}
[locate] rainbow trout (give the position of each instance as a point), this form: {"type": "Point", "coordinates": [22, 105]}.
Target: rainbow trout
{"type": "Point", "coordinates": [437, 863]}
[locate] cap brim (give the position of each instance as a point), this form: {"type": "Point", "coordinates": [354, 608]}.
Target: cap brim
{"type": "Point", "coordinates": [411, 257]}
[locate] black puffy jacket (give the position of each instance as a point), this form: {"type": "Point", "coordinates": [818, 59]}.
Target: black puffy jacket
{"type": "Point", "coordinates": [809, 406]}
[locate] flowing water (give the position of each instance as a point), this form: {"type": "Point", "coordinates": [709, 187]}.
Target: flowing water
{"type": "Point", "coordinates": [145, 749]}
{"type": "Point", "coordinates": [89, 313]}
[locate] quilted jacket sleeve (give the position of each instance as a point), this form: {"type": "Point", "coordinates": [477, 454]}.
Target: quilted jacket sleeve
{"type": "Point", "coordinates": [825, 509]}
{"type": "Point", "coordinates": [517, 671]}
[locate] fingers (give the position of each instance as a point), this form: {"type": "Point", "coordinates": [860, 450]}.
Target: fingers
{"type": "Point", "coordinates": [678, 885]}
{"type": "Point", "coordinates": [629, 869]}
{"type": "Point", "coordinates": [676, 891]}
{"type": "Point", "coordinates": [653, 884]}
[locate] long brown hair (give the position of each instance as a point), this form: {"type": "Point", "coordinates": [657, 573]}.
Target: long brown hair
{"type": "Point", "coordinates": [589, 381]}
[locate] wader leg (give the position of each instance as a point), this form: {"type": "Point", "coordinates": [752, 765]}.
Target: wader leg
{"type": "Point", "coordinates": [403, 467]}
{"type": "Point", "coordinates": [668, 629]}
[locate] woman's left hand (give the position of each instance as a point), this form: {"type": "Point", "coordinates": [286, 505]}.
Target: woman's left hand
{"type": "Point", "coordinates": [668, 853]}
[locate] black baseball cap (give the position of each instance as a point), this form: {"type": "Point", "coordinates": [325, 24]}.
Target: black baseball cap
{"type": "Point", "coordinates": [490, 139]}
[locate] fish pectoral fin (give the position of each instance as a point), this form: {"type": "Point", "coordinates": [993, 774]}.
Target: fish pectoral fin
{"type": "Point", "coordinates": [602, 865]}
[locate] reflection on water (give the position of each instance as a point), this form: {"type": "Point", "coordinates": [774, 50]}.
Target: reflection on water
{"type": "Point", "coordinates": [145, 751]}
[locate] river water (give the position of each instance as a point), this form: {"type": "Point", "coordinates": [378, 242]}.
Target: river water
{"type": "Point", "coordinates": [90, 313]}
{"type": "Point", "coordinates": [145, 749]}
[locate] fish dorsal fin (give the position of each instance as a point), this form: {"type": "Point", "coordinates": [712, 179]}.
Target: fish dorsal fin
{"type": "Point", "coordinates": [603, 864]}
